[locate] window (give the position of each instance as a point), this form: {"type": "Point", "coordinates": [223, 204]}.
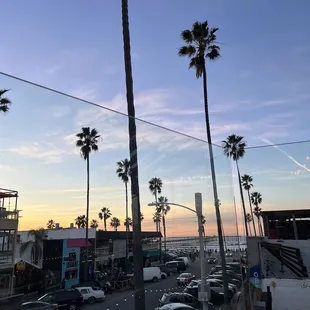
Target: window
{"type": "Point", "coordinates": [84, 291]}
{"type": "Point", "coordinates": [174, 298]}
{"type": "Point", "coordinates": [48, 298]}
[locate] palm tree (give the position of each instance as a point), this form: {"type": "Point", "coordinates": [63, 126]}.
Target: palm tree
{"type": "Point", "coordinates": [249, 219]}
{"type": "Point", "coordinates": [87, 141]}
{"type": "Point", "coordinates": [128, 223]}
{"type": "Point", "coordinates": [141, 217]}
{"type": "Point", "coordinates": [104, 215]}
{"type": "Point", "coordinates": [36, 244]}
{"type": "Point", "coordinates": [139, 295]}
{"type": "Point", "coordinates": [247, 185]}
{"type": "Point", "coordinates": [256, 199]}
{"type": "Point", "coordinates": [123, 172]}
{"type": "Point", "coordinates": [4, 101]}
{"type": "Point", "coordinates": [80, 221]}
{"type": "Point", "coordinates": [201, 46]}
{"type": "Point", "coordinates": [94, 224]}
{"type": "Point", "coordinates": [115, 223]}
{"type": "Point", "coordinates": [234, 147]}
{"type": "Point", "coordinates": [51, 224]}
{"type": "Point", "coordinates": [163, 208]}
{"type": "Point", "coordinates": [157, 219]}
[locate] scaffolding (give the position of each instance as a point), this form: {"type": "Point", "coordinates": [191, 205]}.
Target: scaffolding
{"type": "Point", "coordinates": [9, 215]}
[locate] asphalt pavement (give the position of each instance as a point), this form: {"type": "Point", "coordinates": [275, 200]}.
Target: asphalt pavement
{"type": "Point", "coordinates": [153, 292]}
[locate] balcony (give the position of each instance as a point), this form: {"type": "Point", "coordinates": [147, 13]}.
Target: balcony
{"type": "Point", "coordinates": [8, 219]}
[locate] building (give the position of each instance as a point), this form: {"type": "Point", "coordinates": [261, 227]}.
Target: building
{"type": "Point", "coordinates": [111, 248]}
{"type": "Point", "coordinates": [8, 234]}
{"type": "Point", "coordinates": [279, 262]}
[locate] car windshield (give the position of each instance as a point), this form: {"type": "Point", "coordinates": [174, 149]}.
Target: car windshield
{"type": "Point", "coordinates": [164, 298]}
{"type": "Point", "coordinates": [193, 283]}
{"type": "Point", "coordinates": [184, 275]}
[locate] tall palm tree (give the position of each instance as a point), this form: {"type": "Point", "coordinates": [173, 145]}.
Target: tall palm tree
{"type": "Point", "coordinates": [128, 223]}
{"type": "Point", "coordinates": [123, 173]}
{"type": "Point", "coordinates": [249, 219]}
{"type": "Point", "coordinates": [51, 224]}
{"type": "Point", "coordinates": [87, 141]}
{"type": "Point", "coordinates": [36, 245]}
{"type": "Point", "coordinates": [155, 186]}
{"type": "Point", "coordinates": [157, 219]}
{"type": "Point", "coordinates": [4, 101]}
{"type": "Point", "coordinates": [115, 223]}
{"type": "Point", "coordinates": [256, 199]}
{"type": "Point", "coordinates": [247, 185]}
{"type": "Point", "coordinates": [139, 295]}
{"type": "Point", "coordinates": [104, 215]}
{"type": "Point", "coordinates": [80, 221]}
{"type": "Point", "coordinates": [141, 217]}
{"type": "Point", "coordinates": [94, 223]}
{"type": "Point", "coordinates": [163, 208]}
{"type": "Point", "coordinates": [234, 147]}
{"type": "Point", "coordinates": [200, 46]}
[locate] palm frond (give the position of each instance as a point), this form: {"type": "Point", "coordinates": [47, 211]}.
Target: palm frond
{"type": "Point", "coordinates": [197, 63]}
{"type": "Point", "coordinates": [187, 36]}
{"type": "Point", "coordinates": [189, 51]}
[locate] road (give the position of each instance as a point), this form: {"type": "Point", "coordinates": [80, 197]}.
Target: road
{"type": "Point", "coordinates": [124, 300]}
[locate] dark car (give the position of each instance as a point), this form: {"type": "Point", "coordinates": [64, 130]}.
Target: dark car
{"type": "Point", "coordinates": [180, 266]}
{"type": "Point", "coordinates": [212, 260]}
{"type": "Point", "coordinates": [184, 298]}
{"type": "Point", "coordinates": [37, 305]}
{"type": "Point", "coordinates": [69, 299]}
{"type": "Point", "coordinates": [185, 278]}
{"type": "Point", "coordinates": [168, 270]}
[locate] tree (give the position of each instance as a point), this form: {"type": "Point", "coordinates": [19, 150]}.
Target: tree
{"type": "Point", "coordinates": [4, 101]}
{"type": "Point", "coordinates": [155, 186]}
{"type": "Point", "coordinates": [157, 219]}
{"type": "Point", "coordinates": [163, 208]}
{"type": "Point", "coordinates": [123, 173]}
{"type": "Point", "coordinates": [94, 224]}
{"type": "Point", "coordinates": [141, 217]}
{"type": "Point", "coordinates": [256, 199]}
{"type": "Point", "coordinates": [128, 223]}
{"type": "Point", "coordinates": [87, 141]}
{"type": "Point", "coordinates": [139, 295]}
{"type": "Point", "coordinates": [51, 224]}
{"type": "Point", "coordinates": [115, 223]}
{"type": "Point", "coordinates": [104, 215]}
{"type": "Point", "coordinates": [36, 245]}
{"type": "Point", "coordinates": [201, 46]}
{"type": "Point", "coordinates": [249, 219]}
{"type": "Point", "coordinates": [247, 184]}
{"type": "Point", "coordinates": [80, 221]}
{"type": "Point", "coordinates": [234, 147]}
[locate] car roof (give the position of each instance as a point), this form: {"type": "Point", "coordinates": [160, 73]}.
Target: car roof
{"type": "Point", "coordinates": [178, 305]}
{"type": "Point", "coordinates": [36, 302]}
{"type": "Point", "coordinates": [173, 261]}
{"type": "Point", "coordinates": [83, 287]}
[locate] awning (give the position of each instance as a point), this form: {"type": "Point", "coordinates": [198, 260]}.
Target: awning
{"type": "Point", "coordinates": [77, 243]}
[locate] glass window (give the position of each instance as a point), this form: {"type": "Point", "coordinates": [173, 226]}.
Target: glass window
{"type": "Point", "coordinates": [84, 291]}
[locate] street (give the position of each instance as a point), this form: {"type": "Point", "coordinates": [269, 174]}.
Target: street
{"type": "Point", "coordinates": [154, 291]}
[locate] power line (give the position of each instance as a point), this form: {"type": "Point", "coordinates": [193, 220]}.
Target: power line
{"type": "Point", "coordinates": [277, 144]}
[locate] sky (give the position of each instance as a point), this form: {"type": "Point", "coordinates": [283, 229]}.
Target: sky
{"type": "Point", "coordinates": [258, 88]}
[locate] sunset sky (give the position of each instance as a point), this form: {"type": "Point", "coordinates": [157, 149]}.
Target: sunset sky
{"type": "Point", "coordinates": [259, 88]}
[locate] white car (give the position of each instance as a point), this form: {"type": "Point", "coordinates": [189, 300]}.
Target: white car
{"type": "Point", "coordinates": [183, 259]}
{"type": "Point", "coordinates": [218, 287]}
{"type": "Point", "coordinates": [175, 306]}
{"type": "Point", "coordinates": [91, 294]}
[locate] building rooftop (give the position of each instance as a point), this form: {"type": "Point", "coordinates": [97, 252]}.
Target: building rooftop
{"type": "Point", "coordinates": [113, 235]}
{"type": "Point", "coordinates": [301, 213]}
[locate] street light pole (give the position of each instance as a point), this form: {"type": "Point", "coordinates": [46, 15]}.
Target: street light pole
{"type": "Point", "coordinates": [198, 205]}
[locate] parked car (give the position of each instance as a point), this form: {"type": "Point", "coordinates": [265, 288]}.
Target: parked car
{"type": "Point", "coordinates": [69, 299]}
{"type": "Point", "coordinates": [212, 260]}
{"type": "Point", "coordinates": [163, 275]}
{"type": "Point", "coordinates": [183, 259]}
{"type": "Point", "coordinates": [185, 278]}
{"type": "Point", "coordinates": [38, 305]}
{"type": "Point", "coordinates": [233, 286]}
{"type": "Point", "coordinates": [175, 306]}
{"type": "Point", "coordinates": [179, 265]}
{"type": "Point", "coordinates": [168, 270]}
{"type": "Point", "coordinates": [218, 287]}
{"type": "Point", "coordinates": [181, 297]}
{"type": "Point", "coordinates": [219, 275]}
{"type": "Point", "coordinates": [91, 294]}
{"type": "Point", "coordinates": [151, 274]}
{"type": "Point", "coordinates": [228, 254]}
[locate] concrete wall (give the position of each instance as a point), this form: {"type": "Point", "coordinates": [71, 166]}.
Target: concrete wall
{"type": "Point", "coordinates": [288, 294]}
{"type": "Point", "coordinates": [119, 248]}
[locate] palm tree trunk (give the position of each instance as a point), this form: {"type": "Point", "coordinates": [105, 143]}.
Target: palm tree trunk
{"type": "Point", "coordinates": [215, 193]}
{"type": "Point", "coordinates": [139, 294]}
{"type": "Point", "coordinates": [250, 229]}
{"type": "Point", "coordinates": [127, 226]}
{"type": "Point", "coordinates": [159, 230]}
{"type": "Point", "coordinates": [165, 236]}
{"type": "Point", "coordinates": [258, 226]}
{"type": "Point", "coordinates": [105, 224]}
{"type": "Point", "coordinates": [242, 200]}
{"type": "Point", "coordinates": [87, 220]}
{"type": "Point", "coordinates": [261, 227]}
{"type": "Point", "coordinates": [250, 203]}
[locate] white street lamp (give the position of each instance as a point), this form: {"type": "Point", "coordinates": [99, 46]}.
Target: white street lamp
{"type": "Point", "coordinates": [203, 288]}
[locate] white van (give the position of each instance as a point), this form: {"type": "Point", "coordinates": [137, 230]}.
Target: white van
{"type": "Point", "coordinates": [184, 260]}
{"type": "Point", "coordinates": [151, 274]}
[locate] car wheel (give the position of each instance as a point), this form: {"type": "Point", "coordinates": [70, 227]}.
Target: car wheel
{"type": "Point", "coordinates": [155, 279]}
{"type": "Point", "coordinates": [163, 276]}
{"type": "Point", "coordinates": [91, 300]}
{"type": "Point", "coordinates": [72, 307]}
